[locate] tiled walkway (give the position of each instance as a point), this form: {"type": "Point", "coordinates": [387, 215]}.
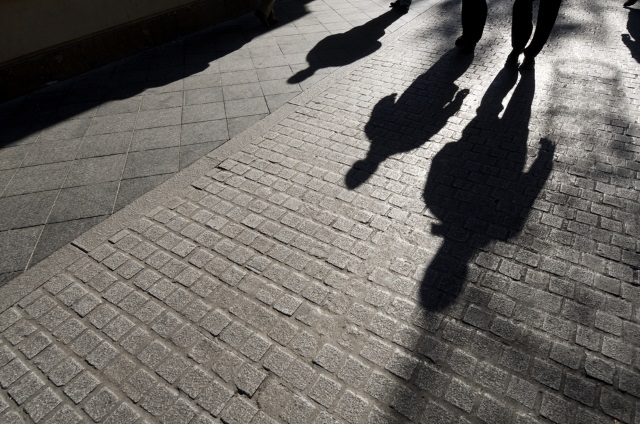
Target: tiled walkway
{"type": "Point", "coordinates": [423, 236]}
{"type": "Point", "coordinates": [73, 154]}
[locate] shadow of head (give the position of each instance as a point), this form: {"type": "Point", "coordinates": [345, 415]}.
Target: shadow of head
{"type": "Point", "coordinates": [345, 48]}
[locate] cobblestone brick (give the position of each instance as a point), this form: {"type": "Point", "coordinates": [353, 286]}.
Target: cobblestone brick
{"type": "Point", "coordinates": [556, 409]}
{"type": "Point", "coordinates": [492, 410]}
{"type": "Point", "coordinates": [581, 389]}
{"type": "Point", "coordinates": [100, 404]}
{"type": "Point", "coordinates": [65, 415]}
{"type": "Point", "coordinates": [42, 404]}
{"type": "Point", "coordinates": [25, 387]}
{"type": "Point", "coordinates": [615, 405]}
{"type": "Point", "coordinates": [460, 395]}
{"type": "Point", "coordinates": [65, 371]}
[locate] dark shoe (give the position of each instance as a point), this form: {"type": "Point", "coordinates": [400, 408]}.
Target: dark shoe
{"type": "Point", "coordinates": [528, 64]}
{"type": "Point", "coordinates": [512, 59]}
{"type": "Point", "coordinates": [464, 45]}
{"type": "Point", "coordinates": [262, 18]}
{"type": "Point", "coordinates": [629, 3]}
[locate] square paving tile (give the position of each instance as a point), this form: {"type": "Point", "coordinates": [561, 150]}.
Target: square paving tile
{"type": "Point", "coordinates": [38, 178]}
{"type": "Point", "coordinates": [202, 81]}
{"type": "Point", "coordinates": [203, 95]}
{"type": "Point", "coordinates": [95, 170]}
{"type": "Point", "coordinates": [152, 162]}
{"type": "Point", "coordinates": [203, 132]}
{"type": "Point", "coordinates": [74, 128]}
{"type": "Point", "coordinates": [56, 235]}
{"type": "Point", "coordinates": [240, 77]}
{"type": "Point", "coordinates": [84, 202]}
{"type": "Point", "coordinates": [270, 61]}
{"type": "Point", "coordinates": [193, 152]}
{"type": "Point", "coordinates": [133, 188]}
{"type": "Point", "coordinates": [105, 145]}
{"type": "Point", "coordinates": [26, 210]}
{"type": "Point", "coordinates": [117, 107]}
{"type": "Point", "coordinates": [166, 86]}
{"type": "Point", "coordinates": [237, 125]}
{"type": "Point", "coordinates": [111, 124]}
{"type": "Point", "coordinates": [234, 65]}
{"type": "Point", "coordinates": [265, 51]}
{"type": "Point", "coordinates": [16, 247]}
{"type": "Point", "coordinates": [279, 86]}
{"type": "Point", "coordinates": [154, 101]}
{"type": "Point", "coordinates": [246, 107]}
{"type": "Point", "coordinates": [53, 151]}
{"type": "Point", "coordinates": [203, 112]}
{"type": "Point", "coordinates": [5, 177]}
{"type": "Point", "coordinates": [12, 157]}
{"type": "Point", "coordinates": [155, 138]}
{"type": "Point", "coordinates": [275, 73]}
{"type": "Point", "coordinates": [274, 101]}
{"type": "Point", "coordinates": [159, 118]}
{"type": "Point", "coordinates": [242, 91]}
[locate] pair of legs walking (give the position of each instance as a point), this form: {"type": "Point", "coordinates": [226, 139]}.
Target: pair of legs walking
{"type": "Point", "coordinates": [474, 17]}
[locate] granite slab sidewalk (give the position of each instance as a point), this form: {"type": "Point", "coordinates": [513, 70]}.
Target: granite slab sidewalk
{"type": "Point", "coordinates": [73, 154]}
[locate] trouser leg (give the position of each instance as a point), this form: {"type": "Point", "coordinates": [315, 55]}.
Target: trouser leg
{"type": "Point", "coordinates": [474, 16]}
{"type": "Point", "coordinates": [547, 14]}
{"type": "Point", "coordinates": [521, 25]}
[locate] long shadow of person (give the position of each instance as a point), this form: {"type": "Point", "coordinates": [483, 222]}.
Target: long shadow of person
{"type": "Point", "coordinates": [477, 186]}
{"type": "Point", "coordinates": [347, 47]}
{"type": "Point", "coordinates": [632, 39]}
{"type": "Point", "coordinates": [420, 113]}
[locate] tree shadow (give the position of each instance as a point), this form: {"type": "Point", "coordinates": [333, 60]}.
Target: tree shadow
{"type": "Point", "coordinates": [632, 39]}
{"type": "Point", "coordinates": [358, 42]}
{"type": "Point", "coordinates": [397, 126]}
{"type": "Point", "coordinates": [478, 187]}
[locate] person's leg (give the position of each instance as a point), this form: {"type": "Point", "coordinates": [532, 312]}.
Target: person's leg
{"type": "Point", "coordinates": [521, 24]}
{"type": "Point", "coordinates": [521, 28]}
{"type": "Point", "coordinates": [474, 17]}
{"type": "Point", "coordinates": [547, 14]}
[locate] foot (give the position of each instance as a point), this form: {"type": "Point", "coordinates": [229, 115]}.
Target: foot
{"type": "Point", "coordinates": [528, 63]}
{"type": "Point", "coordinates": [464, 45]}
{"type": "Point", "coordinates": [629, 3]}
{"type": "Point", "coordinates": [262, 18]}
{"type": "Point", "coordinates": [512, 59]}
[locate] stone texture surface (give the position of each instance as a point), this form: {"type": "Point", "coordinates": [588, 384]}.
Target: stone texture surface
{"type": "Point", "coordinates": [91, 145]}
{"type": "Point", "coordinates": [464, 250]}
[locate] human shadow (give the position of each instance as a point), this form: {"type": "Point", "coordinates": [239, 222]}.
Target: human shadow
{"type": "Point", "coordinates": [401, 125]}
{"type": "Point", "coordinates": [347, 47]}
{"type": "Point", "coordinates": [632, 39]}
{"type": "Point", "coordinates": [478, 187]}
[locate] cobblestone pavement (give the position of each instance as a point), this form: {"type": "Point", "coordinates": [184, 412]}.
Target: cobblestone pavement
{"type": "Point", "coordinates": [101, 140]}
{"type": "Point", "coordinates": [462, 251]}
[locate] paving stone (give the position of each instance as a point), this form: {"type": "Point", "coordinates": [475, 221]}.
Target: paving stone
{"type": "Point", "coordinates": [81, 386]}
{"type": "Point", "coordinates": [100, 404]}
{"type": "Point", "coordinates": [25, 387]}
{"type": "Point", "coordinates": [42, 404]}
